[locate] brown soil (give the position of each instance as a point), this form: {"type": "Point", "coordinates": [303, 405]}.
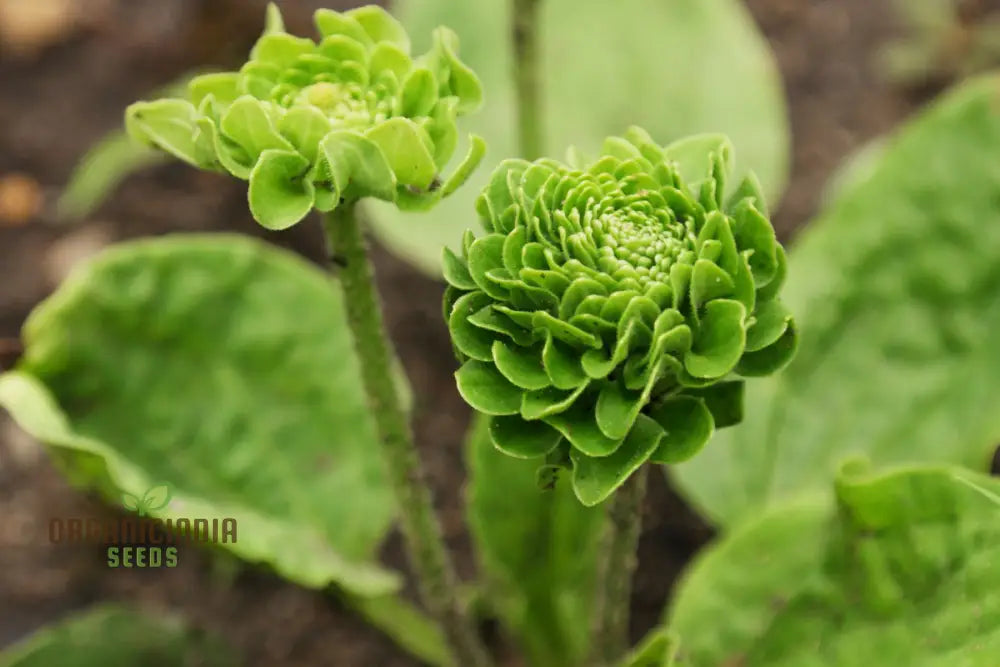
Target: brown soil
{"type": "Point", "coordinates": [55, 103]}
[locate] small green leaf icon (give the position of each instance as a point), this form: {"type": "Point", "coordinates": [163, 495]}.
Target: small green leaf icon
{"type": "Point", "coordinates": [156, 498]}
{"type": "Point", "coordinates": [130, 502]}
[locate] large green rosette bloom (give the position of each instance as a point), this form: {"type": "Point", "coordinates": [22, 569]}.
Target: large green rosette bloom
{"type": "Point", "coordinates": [610, 312]}
{"type": "Point", "coordinates": [312, 125]}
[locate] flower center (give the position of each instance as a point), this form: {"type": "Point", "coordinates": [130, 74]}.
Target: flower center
{"type": "Point", "coordinates": [344, 105]}
{"type": "Point", "coordinates": [636, 239]}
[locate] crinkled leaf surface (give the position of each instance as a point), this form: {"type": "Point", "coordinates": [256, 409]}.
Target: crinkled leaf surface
{"type": "Point", "coordinates": [665, 53]}
{"type": "Point", "coordinates": [223, 367]}
{"type": "Point", "coordinates": [118, 636]}
{"type": "Point", "coordinates": [538, 551]}
{"type": "Point", "coordinates": [901, 571]}
{"type": "Point", "coordinates": [896, 290]}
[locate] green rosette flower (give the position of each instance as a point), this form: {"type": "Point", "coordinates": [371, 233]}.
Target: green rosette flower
{"type": "Point", "coordinates": [611, 311]}
{"type": "Point", "coordinates": [314, 124]}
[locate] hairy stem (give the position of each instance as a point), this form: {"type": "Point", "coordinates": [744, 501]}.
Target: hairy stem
{"type": "Point", "coordinates": [527, 79]}
{"type": "Point", "coordinates": [614, 575]}
{"type": "Point", "coordinates": [425, 547]}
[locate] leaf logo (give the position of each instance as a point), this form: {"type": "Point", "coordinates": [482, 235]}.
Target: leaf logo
{"type": "Point", "coordinates": [155, 498]}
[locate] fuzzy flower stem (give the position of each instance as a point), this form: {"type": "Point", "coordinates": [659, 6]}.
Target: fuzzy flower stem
{"type": "Point", "coordinates": [618, 562]}
{"type": "Point", "coordinates": [524, 23]}
{"type": "Point", "coordinates": [425, 546]}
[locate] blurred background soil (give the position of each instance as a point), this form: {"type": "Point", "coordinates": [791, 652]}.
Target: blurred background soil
{"type": "Point", "coordinates": [67, 70]}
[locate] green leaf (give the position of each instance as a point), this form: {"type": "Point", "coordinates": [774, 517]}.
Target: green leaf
{"type": "Point", "coordinates": [279, 193]}
{"type": "Point", "coordinates": [357, 167]}
{"type": "Point", "coordinates": [708, 282]}
{"type": "Point", "coordinates": [898, 358]}
{"type": "Point", "coordinates": [222, 86]}
{"type": "Point", "coordinates": [658, 649]}
{"type": "Point", "coordinates": [687, 426]}
{"type": "Point", "coordinates": [549, 401]}
{"type": "Point", "coordinates": [901, 570]}
{"type": "Point", "coordinates": [113, 635]}
{"type": "Point", "coordinates": [157, 497]}
{"type": "Point", "coordinates": [724, 400]}
{"type": "Point", "coordinates": [523, 439]}
{"type": "Point", "coordinates": [406, 625]}
{"type": "Point", "coordinates": [405, 150]}
{"type": "Point", "coordinates": [643, 51]}
{"type": "Point", "coordinates": [485, 389]}
{"type": "Point", "coordinates": [772, 358]}
{"type": "Point", "coordinates": [419, 93]}
{"type": "Point", "coordinates": [470, 339]}
{"type": "Point", "coordinates": [273, 22]}
{"type": "Point", "coordinates": [220, 366]}
{"type": "Point", "coordinates": [578, 425]}
{"type": "Point", "coordinates": [456, 271]}
{"type": "Point", "coordinates": [167, 124]}
{"type": "Point", "coordinates": [468, 165]}
{"type": "Point", "coordinates": [719, 341]}
{"type": "Point", "coordinates": [538, 560]}
{"type": "Point", "coordinates": [596, 478]}
{"type": "Point", "coordinates": [281, 49]}
{"type": "Point", "coordinates": [248, 124]}
{"type": "Point", "coordinates": [380, 26]}
{"type": "Point", "coordinates": [562, 364]}
{"type": "Point", "coordinates": [522, 366]}
{"type": "Point", "coordinates": [105, 165]}
{"type": "Point", "coordinates": [305, 127]}
{"type": "Point", "coordinates": [109, 161]}
{"type": "Point", "coordinates": [693, 156]}
{"type": "Point", "coordinates": [617, 409]}
{"type": "Point", "coordinates": [771, 321]}
{"type": "Point", "coordinates": [459, 79]}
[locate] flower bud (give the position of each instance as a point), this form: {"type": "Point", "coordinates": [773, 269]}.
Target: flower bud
{"type": "Point", "coordinates": [314, 124]}
{"type": "Point", "coordinates": [608, 315]}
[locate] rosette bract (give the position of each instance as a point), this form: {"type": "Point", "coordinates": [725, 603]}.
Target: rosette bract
{"type": "Point", "coordinates": [608, 315]}
{"type": "Point", "coordinates": [314, 124]}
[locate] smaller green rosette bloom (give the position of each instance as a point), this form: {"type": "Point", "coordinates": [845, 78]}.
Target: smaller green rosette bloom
{"type": "Point", "coordinates": [611, 311]}
{"type": "Point", "coordinates": [316, 124]}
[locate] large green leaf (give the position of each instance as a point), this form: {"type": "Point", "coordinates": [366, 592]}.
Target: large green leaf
{"type": "Point", "coordinates": [223, 367]}
{"type": "Point", "coordinates": [538, 551]}
{"type": "Point", "coordinates": [896, 288]}
{"type": "Point", "coordinates": [118, 636]}
{"type": "Point", "coordinates": [674, 67]}
{"type": "Point", "coordinates": [901, 571]}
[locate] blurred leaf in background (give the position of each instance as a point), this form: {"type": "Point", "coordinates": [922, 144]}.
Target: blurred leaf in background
{"type": "Point", "coordinates": [221, 366]}
{"type": "Point", "coordinates": [675, 68]}
{"type": "Point", "coordinates": [109, 161]}
{"type": "Point", "coordinates": [118, 636]}
{"type": "Point", "coordinates": [900, 570]}
{"type": "Point", "coordinates": [942, 40]}
{"type": "Point", "coordinates": [895, 286]}
{"type": "Point", "coordinates": [537, 550]}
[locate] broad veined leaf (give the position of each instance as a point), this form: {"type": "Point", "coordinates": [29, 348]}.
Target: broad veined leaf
{"type": "Point", "coordinates": [222, 367]}
{"type": "Point", "coordinates": [645, 50]}
{"type": "Point", "coordinates": [118, 636]}
{"type": "Point", "coordinates": [900, 570]}
{"type": "Point", "coordinates": [895, 290]}
{"type": "Point", "coordinates": [537, 548]}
